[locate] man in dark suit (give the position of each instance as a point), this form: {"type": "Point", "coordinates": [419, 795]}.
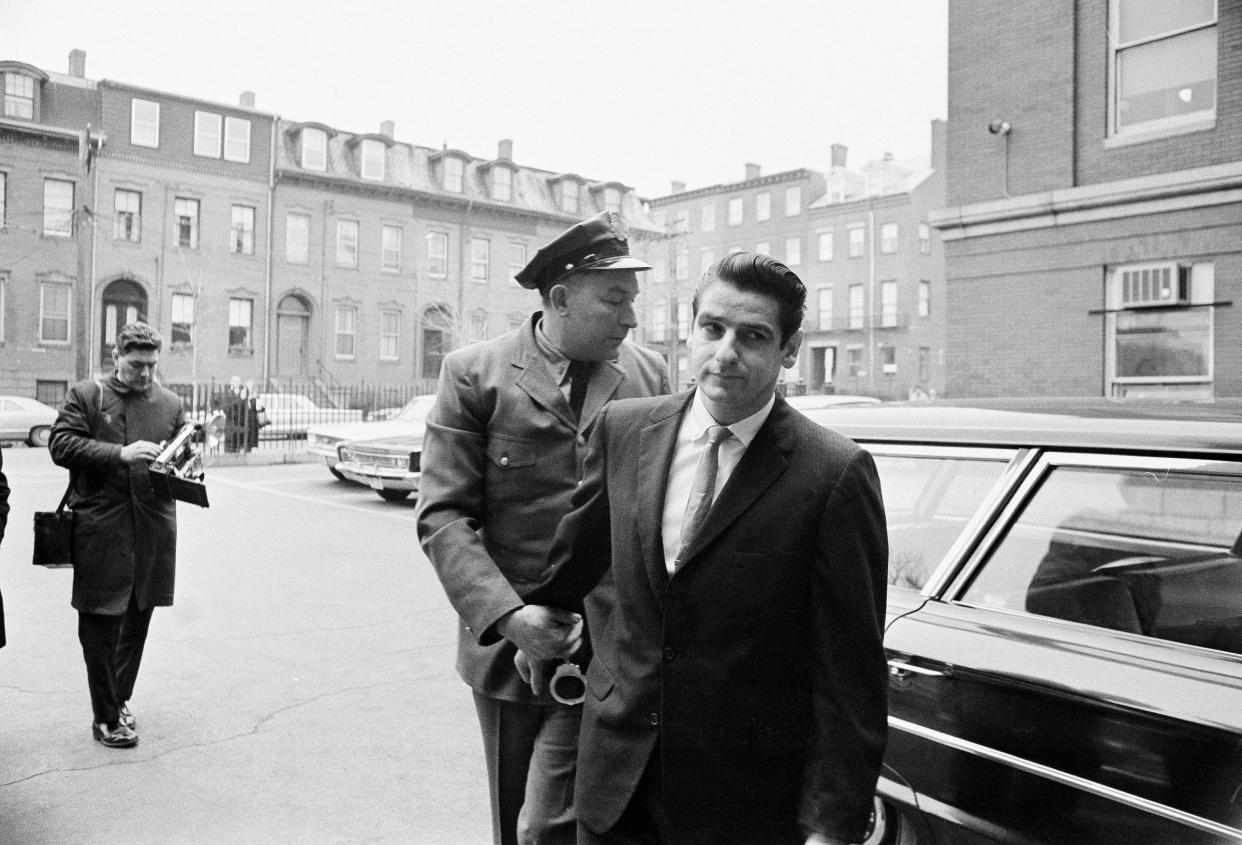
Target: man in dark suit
{"type": "Point", "coordinates": [737, 690]}
{"type": "Point", "coordinates": [502, 455]}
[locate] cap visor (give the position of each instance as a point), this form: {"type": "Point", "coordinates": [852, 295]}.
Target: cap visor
{"type": "Point", "coordinates": [620, 262]}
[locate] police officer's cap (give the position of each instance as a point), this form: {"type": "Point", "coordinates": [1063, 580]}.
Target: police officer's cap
{"type": "Point", "coordinates": [600, 243]}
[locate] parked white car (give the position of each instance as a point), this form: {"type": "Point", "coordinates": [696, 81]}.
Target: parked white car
{"type": "Point", "coordinates": [25, 419]}
{"type": "Point", "coordinates": [291, 414]}
{"type": "Point", "coordinates": [323, 440]}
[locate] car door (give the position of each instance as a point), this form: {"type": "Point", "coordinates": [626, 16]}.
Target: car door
{"type": "Point", "coordinates": [1078, 677]}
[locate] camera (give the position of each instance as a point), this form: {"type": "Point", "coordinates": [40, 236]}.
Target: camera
{"type": "Point", "coordinates": [177, 472]}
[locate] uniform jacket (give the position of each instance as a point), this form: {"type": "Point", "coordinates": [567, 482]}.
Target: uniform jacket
{"type": "Point", "coordinates": [125, 538]}
{"type": "Point", "coordinates": [501, 457]}
{"type": "Point", "coordinates": [757, 669]}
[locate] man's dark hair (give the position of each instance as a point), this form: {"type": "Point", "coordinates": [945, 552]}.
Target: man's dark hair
{"type": "Point", "coordinates": [762, 274]}
{"type": "Point", "coordinates": [137, 336]}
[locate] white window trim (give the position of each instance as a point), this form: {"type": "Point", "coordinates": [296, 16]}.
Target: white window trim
{"type": "Point", "coordinates": [352, 333]}
{"type": "Point", "coordinates": [232, 127]}
{"type": "Point", "coordinates": [43, 288]}
{"type": "Point", "coordinates": [437, 238]}
{"type": "Point", "coordinates": [375, 158]}
{"type": "Point", "coordinates": [312, 132]}
{"type": "Point", "coordinates": [204, 146]}
{"type": "Point", "coordinates": [305, 259]}
{"type": "Point", "coordinates": [396, 336]}
{"type": "Point", "coordinates": [342, 225]}
{"type": "Point", "coordinates": [385, 265]}
{"type": "Point", "coordinates": [133, 123]}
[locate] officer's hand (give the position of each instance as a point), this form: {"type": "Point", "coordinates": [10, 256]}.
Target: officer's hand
{"type": "Point", "coordinates": [140, 450]}
{"type": "Point", "coordinates": [533, 672]}
{"type": "Point", "coordinates": [542, 632]}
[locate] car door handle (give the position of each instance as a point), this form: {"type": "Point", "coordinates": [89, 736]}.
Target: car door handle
{"type": "Point", "coordinates": [901, 670]}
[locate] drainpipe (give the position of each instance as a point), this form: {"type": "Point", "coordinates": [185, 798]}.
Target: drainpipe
{"type": "Point", "coordinates": [871, 297]}
{"type": "Point", "coordinates": [267, 273]}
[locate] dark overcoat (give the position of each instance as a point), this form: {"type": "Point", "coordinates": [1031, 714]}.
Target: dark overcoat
{"type": "Point", "coordinates": [501, 457]}
{"type": "Point", "coordinates": [125, 537]}
{"type": "Point", "coordinates": [756, 671]}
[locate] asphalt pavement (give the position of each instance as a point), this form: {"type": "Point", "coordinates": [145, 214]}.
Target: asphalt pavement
{"type": "Point", "coordinates": [301, 689]}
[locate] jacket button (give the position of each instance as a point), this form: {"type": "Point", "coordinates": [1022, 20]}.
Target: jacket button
{"type": "Point", "coordinates": [504, 460]}
{"type": "Point", "coordinates": [654, 720]}
{"type": "Point", "coordinates": [581, 440]}
{"type": "Point", "coordinates": [669, 652]}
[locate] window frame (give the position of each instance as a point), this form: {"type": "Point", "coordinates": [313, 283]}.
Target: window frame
{"type": "Point", "coordinates": [237, 305]}
{"type": "Point", "coordinates": [44, 317]}
{"type": "Point", "coordinates": [480, 259]}
{"type": "Point", "coordinates": [142, 129]}
{"type": "Point", "coordinates": [763, 207]}
{"type": "Point", "coordinates": [20, 97]}
{"type": "Point", "coordinates": [825, 237]}
{"type": "Point", "coordinates": [793, 201]}
{"type": "Point", "coordinates": [860, 242]}
{"type": "Point", "coordinates": [890, 234]}
{"type": "Point", "coordinates": [131, 232]}
{"type": "Point", "coordinates": [737, 211]}
{"type": "Point", "coordinates": [207, 140]}
{"type": "Point", "coordinates": [349, 332]}
{"type": "Point", "coordinates": [195, 221]}
{"type": "Point", "coordinates": [793, 251]}
{"type": "Point", "coordinates": [246, 231]}
{"type": "Point", "coordinates": [53, 214]}
{"type": "Point", "coordinates": [304, 243]}
{"type": "Point", "coordinates": [389, 341]}
{"type": "Point", "coordinates": [179, 302]}
{"type": "Point", "coordinates": [391, 257]}
{"type": "Point", "coordinates": [344, 225]}
{"type": "Point", "coordinates": [437, 259]}
{"type": "Point", "coordinates": [233, 140]}
{"type": "Point", "coordinates": [453, 174]}
{"type": "Point", "coordinates": [517, 261]}
{"type": "Point", "coordinates": [318, 149]}
{"type": "Point", "coordinates": [371, 155]}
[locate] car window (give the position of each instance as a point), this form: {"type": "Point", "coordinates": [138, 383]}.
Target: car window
{"type": "Point", "coordinates": [927, 501]}
{"type": "Point", "coordinates": [6, 405]}
{"type": "Point", "coordinates": [1152, 553]}
{"type": "Point", "coordinates": [416, 409]}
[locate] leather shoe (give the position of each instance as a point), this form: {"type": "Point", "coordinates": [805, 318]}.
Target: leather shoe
{"type": "Point", "coordinates": [127, 718]}
{"type": "Point", "coordinates": [118, 737]}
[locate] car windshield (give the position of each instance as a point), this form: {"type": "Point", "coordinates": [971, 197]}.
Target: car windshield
{"type": "Point", "coordinates": [416, 409]}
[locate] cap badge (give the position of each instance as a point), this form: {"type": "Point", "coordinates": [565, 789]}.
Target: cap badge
{"type": "Point", "coordinates": [617, 226]}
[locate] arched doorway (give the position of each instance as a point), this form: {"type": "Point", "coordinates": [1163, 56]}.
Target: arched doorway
{"type": "Point", "coordinates": [437, 339]}
{"type": "Point", "coordinates": [123, 301]}
{"type": "Point", "coordinates": [293, 315]}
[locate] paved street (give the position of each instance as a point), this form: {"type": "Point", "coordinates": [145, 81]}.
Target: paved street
{"type": "Point", "coordinates": [301, 690]}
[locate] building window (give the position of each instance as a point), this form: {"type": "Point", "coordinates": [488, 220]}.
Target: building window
{"type": "Point", "coordinates": [659, 322]}
{"type": "Point", "coordinates": [612, 199]}
{"type": "Point", "coordinates": [853, 360]}
{"type": "Point", "coordinates": [437, 254]}
{"type": "Point", "coordinates": [1163, 60]}
{"type": "Point", "coordinates": [763, 248]}
{"type": "Point", "coordinates": [207, 134]}
{"type": "Point", "coordinates": [144, 123]}
{"type": "Point", "coordinates": [825, 308]}
{"type": "Point", "coordinates": [684, 318]}
{"type": "Point", "coordinates": [924, 299]}
{"type": "Point", "coordinates": [856, 307]}
{"type": "Point", "coordinates": [793, 252]}
{"type": "Point", "coordinates": [127, 223]}
{"type": "Point", "coordinates": [793, 201]}
{"type": "Point", "coordinates": [182, 334]}
{"type": "Point", "coordinates": [681, 221]}
{"type": "Point", "coordinates": [763, 206]}
{"type": "Point", "coordinates": [888, 304]}
{"type": "Point", "coordinates": [347, 243]}
{"type": "Point", "coordinates": [824, 245]}
{"type": "Point", "coordinates": [4, 189]}
{"type": "Point", "coordinates": [186, 213]}
{"type": "Point", "coordinates": [314, 149]}
{"type": "Point", "coordinates": [924, 364]}
{"type": "Point", "coordinates": [390, 249]}
{"type": "Point", "coordinates": [241, 321]}
{"type": "Point", "coordinates": [858, 240]}
{"type": "Point", "coordinates": [888, 238]}
{"type": "Point", "coordinates": [437, 338]}
{"type": "Point", "coordinates": [707, 218]}
{"type": "Point", "coordinates": [390, 335]}
{"type": "Point", "coordinates": [237, 139]}
{"type": "Point", "coordinates": [924, 239]}
{"type": "Point", "coordinates": [478, 326]}
{"type": "Point", "coordinates": [707, 257]}
{"type": "Point", "coordinates": [57, 208]}
{"type": "Point", "coordinates": [18, 96]}
{"type": "Point", "coordinates": [297, 238]}
{"type": "Point", "coordinates": [480, 258]}
{"type": "Point", "coordinates": [502, 184]}
{"type": "Point", "coordinates": [54, 312]}
{"type": "Point", "coordinates": [1164, 350]}
{"type": "Point", "coordinates": [735, 211]}
{"type": "Point", "coordinates": [372, 158]}
{"type": "Point", "coordinates": [346, 330]}
{"type": "Point", "coordinates": [682, 266]}
{"type": "Point", "coordinates": [517, 259]}
{"type": "Point", "coordinates": [241, 238]}
{"type": "Point", "coordinates": [4, 282]}
{"type": "Point", "coordinates": [454, 174]}
{"type": "Point", "coordinates": [888, 360]}
{"type": "Point", "coordinates": [569, 196]}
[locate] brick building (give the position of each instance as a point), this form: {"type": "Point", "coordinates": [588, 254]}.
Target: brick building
{"type": "Point", "coordinates": [859, 240]}
{"type": "Point", "coordinates": [1093, 234]}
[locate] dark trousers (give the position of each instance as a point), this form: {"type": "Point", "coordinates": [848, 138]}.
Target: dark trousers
{"type": "Point", "coordinates": [642, 822]}
{"type": "Point", "coordinates": [531, 752]}
{"type": "Point", "coordinates": [112, 647]}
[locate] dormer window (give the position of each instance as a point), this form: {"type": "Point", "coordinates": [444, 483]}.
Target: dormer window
{"type": "Point", "coordinates": [19, 96]}
{"type": "Point", "coordinates": [612, 199]}
{"type": "Point", "coordinates": [502, 184]}
{"type": "Point", "coordinates": [453, 173]}
{"type": "Point", "coordinates": [371, 153]}
{"type": "Point", "coordinates": [314, 149]}
{"type": "Point", "coordinates": [569, 196]}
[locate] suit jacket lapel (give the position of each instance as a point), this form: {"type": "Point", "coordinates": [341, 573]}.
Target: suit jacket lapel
{"type": "Point", "coordinates": [535, 379]}
{"type": "Point", "coordinates": [764, 461]}
{"type": "Point", "coordinates": [604, 383]}
{"type": "Point", "coordinates": [656, 444]}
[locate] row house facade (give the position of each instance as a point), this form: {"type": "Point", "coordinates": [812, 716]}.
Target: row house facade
{"type": "Point", "coordinates": [271, 250]}
{"type": "Point", "coordinates": [1093, 228]}
{"type": "Point", "coordinates": [861, 243]}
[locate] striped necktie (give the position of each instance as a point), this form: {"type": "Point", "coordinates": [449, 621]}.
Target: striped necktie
{"type": "Point", "coordinates": [704, 488]}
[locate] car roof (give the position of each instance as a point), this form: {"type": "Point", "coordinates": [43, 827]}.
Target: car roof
{"type": "Point", "coordinates": [1068, 423]}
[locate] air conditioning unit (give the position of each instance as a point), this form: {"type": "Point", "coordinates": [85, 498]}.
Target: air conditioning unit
{"type": "Point", "coordinates": [890, 369]}
{"type": "Point", "coordinates": [1155, 284]}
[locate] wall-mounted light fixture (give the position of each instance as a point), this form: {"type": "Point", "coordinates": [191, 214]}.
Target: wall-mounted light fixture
{"type": "Point", "coordinates": [999, 127]}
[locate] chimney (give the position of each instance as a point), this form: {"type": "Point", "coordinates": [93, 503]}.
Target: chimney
{"type": "Point", "coordinates": [504, 150]}
{"type": "Point", "coordinates": [246, 100]}
{"type": "Point", "coordinates": [679, 187]}
{"type": "Point", "coordinates": [838, 155]}
{"type": "Point", "coordinates": [939, 130]}
{"type": "Point", "coordinates": [752, 171]}
{"type": "Point", "coordinates": [387, 127]}
{"type": "Point", "coordinates": [77, 63]}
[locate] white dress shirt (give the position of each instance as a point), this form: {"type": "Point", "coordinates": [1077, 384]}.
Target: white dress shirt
{"type": "Point", "coordinates": [691, 442]}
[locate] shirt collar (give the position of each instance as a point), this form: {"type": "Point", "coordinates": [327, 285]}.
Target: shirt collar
{"type": "Point", "coordinates": [556, 360]}
{"type": "Point", "coordinates": [700, 419]}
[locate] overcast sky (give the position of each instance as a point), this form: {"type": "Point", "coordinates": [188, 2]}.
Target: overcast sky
{"type": "Point", "coordinates": [641, 91]}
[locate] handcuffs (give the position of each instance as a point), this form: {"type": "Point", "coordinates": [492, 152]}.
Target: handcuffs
{"type": "Point", "coordinates": [568, 685]}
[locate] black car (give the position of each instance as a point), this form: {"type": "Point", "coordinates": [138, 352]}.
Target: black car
{"type": "Point", "coordinates": [1064, 627]}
